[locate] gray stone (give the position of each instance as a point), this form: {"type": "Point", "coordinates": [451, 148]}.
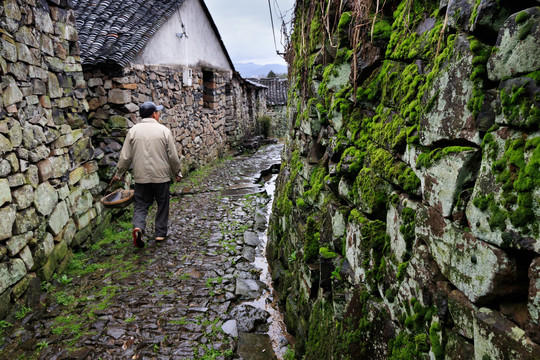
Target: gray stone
{"type": "Point", "coordinates": [449, 118]}
{"type": "Point", "coordinates": [26, 36]}
{"type": "Point", "coordinates": [94, 82]}
{"type": "Point", "coordinates": [7, 214]}
{"type": "Point", "coordinates": [481, 271]}
{"type": "Point", "coordinates": [39, 153]}
{"type": "Point", "coordinates": [60, 165]}
{"type": "Point", "coordinates": [8, 50]}
{"type": "Point", "coordinates": [13, 161]}
{"type": "Point", "coordinates": [25, 55]}
{"type": "Point", "coordinates": [19, 70]}
{"type": "Point", "coordinates": [59, 218]}
{"type": "Point", "coordinates": [5, 192]}
{"type": "Point", "coordinates": [18, 242]}
{"type": "Point", "coordinates": [5, 144]}
{"type": "Point", "coordinates": [119, 96]}
{"type": "Point", "coordinates": [10, 273]}
{"type": "Point", "coordinates": [45, 199]}
{"type": "Point", "coordinates": [32, 176]}
{"type": "Point", "coordinates": [251, 238]}
{"type": "Point", "coordinates": [55, 91]}
{"type": "Point", "coordinates": [26, 220]}
{"type": "Point", "coordinates": [249, 317]}
{"type": "Point", "coordinates": [83, 203]}
{"type": "Point", "coordinates": [5, 168]}
{"type": "Point", "coordinates": [116, 333]}
{"type": "Point", "coordinates": [496, 337]}
{"type": "Point", "coordinates": [16, 180]}
{"type": "Point", "coordinates": [517, 52]}
{"type": "Point", "coordinates": [12, 94]}
{"type": "Point", "coordinates": [43, 251]}
{"type": "Point", "coordinates": [15, 133]}
{"type": "Point", "coordinates": [27, 258]}
{"type": "Point", "coordinates": [23, 196]}
{"type": "Point", "coordinates": [68, 139]}
{"type": "Point", "coordinates": [230, 328]}
{"type": "Point", "coordinates": [55, 64]}
{"type": "Point", "coordinates": [533, 303]}
{"type": "Point", "coordinates": [249, 288]}
{"type": "Point", "coordinates": [69, 231]}
{"type": "Point", "coordinates": [442, 181]}
{"type": "Point", "coordinates": [43, 21]}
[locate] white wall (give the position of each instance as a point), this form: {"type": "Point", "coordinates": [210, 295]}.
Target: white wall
{"type": "Point", "coordinates": [200, 47]}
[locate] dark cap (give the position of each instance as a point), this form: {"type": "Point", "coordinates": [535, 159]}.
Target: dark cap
{"type": "Point", "coordinates": [148, 108]}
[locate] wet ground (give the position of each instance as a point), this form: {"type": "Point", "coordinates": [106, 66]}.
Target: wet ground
{"type": "Point", "coordinates": [203, 293]}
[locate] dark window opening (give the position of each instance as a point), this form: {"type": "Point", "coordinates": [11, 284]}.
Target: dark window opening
{"type": "Point", "coordinates": [209, 90]}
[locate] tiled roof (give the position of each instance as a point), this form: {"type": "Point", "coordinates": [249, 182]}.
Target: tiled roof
{"type": "Point", "coordinates": [277, 90]}
{"type": "Point", "coordinates": [114, 31]}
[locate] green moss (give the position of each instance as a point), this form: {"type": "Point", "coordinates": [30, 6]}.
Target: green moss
{"type": "Point", "coordinates": [427, 159]}
{"type": "Point", "coordinates": [526, 30]}
{"type": "Point", "coordinates": [327, 253]}
{"type": "Point", "coordinates": [474, 13]}
{"type": "Point", "coordinates": [519, 109]}
{"type": "Point", "coordinates": [345, 20]}
{"type": "Point", "coordinates": [522, 17]}
{"type": "Point", "coordinates": [311, 241]}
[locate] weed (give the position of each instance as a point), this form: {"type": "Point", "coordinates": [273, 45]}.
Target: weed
{"type": "Point", "coordinates": [42, 345]}
{"type": "Point", "coordinates": [64, 299]}
{"type": "Point", "coordinates": [22, 312]}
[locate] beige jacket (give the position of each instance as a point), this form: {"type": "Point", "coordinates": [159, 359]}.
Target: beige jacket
{"type": "Point", "coordinates": [150, 147]}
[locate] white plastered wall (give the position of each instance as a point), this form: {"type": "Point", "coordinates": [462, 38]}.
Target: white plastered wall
{"type": "Point", "coordinates": [201, 46]}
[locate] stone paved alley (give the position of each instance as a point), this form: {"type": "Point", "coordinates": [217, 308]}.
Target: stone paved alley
{"type": "Point", "coordinates": [182, 299]}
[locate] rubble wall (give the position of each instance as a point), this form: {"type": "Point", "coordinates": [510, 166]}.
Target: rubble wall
{"type": "Point", "coordinates": [406, 219]}
{"type": "Point", "coordinates": [207, 119]}
{"type": "Point", "coordinates": [61, 134]}
{"type": "Point", "coordinates": [48, 171]}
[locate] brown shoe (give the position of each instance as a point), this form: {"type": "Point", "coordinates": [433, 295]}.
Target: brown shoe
{"type": "Point", "coordinates": [160, 238]}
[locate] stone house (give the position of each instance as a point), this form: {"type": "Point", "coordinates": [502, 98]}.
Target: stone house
{"type": "Point", "coordinates": [66, 102]}
{"type": "Point", "coordinates": [169, 52]}
{"type": "Point", "coordinates": [276, 103]}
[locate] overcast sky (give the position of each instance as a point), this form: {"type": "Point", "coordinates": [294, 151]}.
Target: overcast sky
{"type": "Point", "coordinates": [246, 30]}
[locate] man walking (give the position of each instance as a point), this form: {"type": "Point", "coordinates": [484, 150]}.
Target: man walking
{"type": "Point", "coordinates": [150, 147]}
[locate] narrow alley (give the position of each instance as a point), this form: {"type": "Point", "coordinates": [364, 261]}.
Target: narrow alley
{"type": "Point", "coordinates": [185, 298]}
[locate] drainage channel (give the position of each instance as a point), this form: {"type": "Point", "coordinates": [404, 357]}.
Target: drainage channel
{"type": "Point", "coordinates": [280, 339]}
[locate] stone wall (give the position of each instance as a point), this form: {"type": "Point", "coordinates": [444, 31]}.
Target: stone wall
{"type": "Point", "coordinates": [405, 223]}
{"type": "Point", "coordinates": [207, 118]}
{"type": "Point", "coordinates": [60, 134]}
{"type": "Point", "coordinates": [48, 174]}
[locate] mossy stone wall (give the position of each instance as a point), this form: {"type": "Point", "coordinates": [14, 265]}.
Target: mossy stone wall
{"type": "Point", "coordinates": [406, 219]}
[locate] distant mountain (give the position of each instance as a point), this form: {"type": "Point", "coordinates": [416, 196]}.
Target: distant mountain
{"type": "Point", "coordinates": [248, 70]}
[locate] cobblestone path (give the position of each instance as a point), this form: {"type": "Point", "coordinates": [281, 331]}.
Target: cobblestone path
{"type": "Point", "coordinates": [179, 299]}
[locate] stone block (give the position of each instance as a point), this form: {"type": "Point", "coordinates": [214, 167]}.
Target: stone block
{"type": "Point", "coordinates": [59, 218]}
{"type": "Point", "coordinates": [8, 50]}
{"type": "Point", "coordinates": [25, 55]}
{"type": "Point", "coordinates": [43, 21]}
{"type": "Point", "coordinates": [31, 176]}
{"type": "Point", "coordinates": [449, 118]}
{"type": "Point", "coordinates": [18, 242]}
{"type": "Point", "coordinates": [12, 94]}
{"type": "Point", "coordinates": [67, 139]}
{"type": "Point", "coordinates": [463, 313]}
{"type": "Point", "coordinates": [69, 231]}
{"type": "Point", "coordinates": [84, 204]}
{"type": "Point", "coordinates": [481, 271]}
{"type": "Point", "coordinates": [76, 175]}
{"type": "Point", "coordinates": [119, 96]}
{"type": "Point", "coordinates": [518, 52]}
{"type": "Point", "coordinates": [45, 170]}
{"type": "Point", "coordinates": [5, 192]}
{"type": "Point", "coordinates": [46, 198]}
{"type": "Point", "coordinates": [27, 258]}
{"type": "Point", "coordinates": [43, 250]}
{"type": "Point", "coordinates": [10, 273]}
{"type": "Point", "coordinates": [26, 220]}
{"type": "Point", "coordinates": [16, 180]}
{"type": "Point", "coordinates": [23, 196]}
{"type": "Point", "coordinates": [60, 166]}
{"type": "Point", "coordinates": [55, 91]}
{"type": "Point", "coordinates": [442, 181]}
{"type": "Point", "coordinates": [7, 214]}
{"type": "Point", "coordinates": [85, 219]}
{"type": "Point", "coordinates": [20, 288]}
{"type": "Point", "coordinates": [495, 337]}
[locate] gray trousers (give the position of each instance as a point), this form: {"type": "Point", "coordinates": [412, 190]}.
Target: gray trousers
{"type": "Point", "coordinates": [145, 194]}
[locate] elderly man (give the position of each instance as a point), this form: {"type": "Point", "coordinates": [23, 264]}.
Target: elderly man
{"type": "Point", "coordinates": [150, 147]}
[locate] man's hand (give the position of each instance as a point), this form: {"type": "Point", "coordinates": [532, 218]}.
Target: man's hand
{"type": "Point", "coordinates": [116, 178]}
{"type": "Point", "coordinates": [178, 178]}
